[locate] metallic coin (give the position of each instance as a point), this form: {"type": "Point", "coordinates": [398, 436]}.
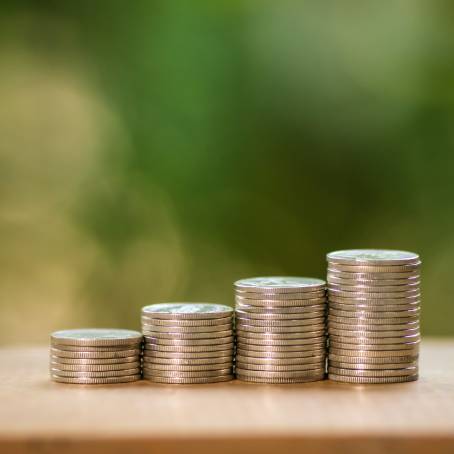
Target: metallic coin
{"type": "Point", "coordinates": [280, 284]}
{"type": "Point", "coordinates": [284, 312]}
{"type": "Point", "coordinates": [104, 374]}
{"type": "Point", "coordinates": [280, 329]}
{"type": "Point", "coordinates": [365, 366]}
{"type": "Point", "coordinates": [174, 336]}
{"type": "Point", "coordinates": [188, 361]}
{"type": "Point", "coordinates": [372, 380]}
{"type": "Point", "coordinates": [156, 367]}
{"type": "Point", "coordinates": [279, 346]}
{"type": "Point", "coordinates": [306, 296]}
{"type": "Point", "coordinates": [372, 274]}
{"type": "Point", "coordinates": [187, 381]}
{"type": "Point", "coordinates": [188, 342]}
{"type": "Point", "coordinates": [96, 381]}
{"type": "Point", "coordinates": [410, 346]}
{"type": "Point", "coordinates": [372, 354]}
{"type": "Point", "coordinates": [94, 355]}
{"type": "Point", "coordinates": [192, 311]}
{"type": "Point", "coordinates": [373, 328]}
{"type": "Point", "coordinates": [196, 356]}
{"type": "Point", "coordinates": [297, 316]}
{"type": "Point", "coordinates": [280, 381]}
{"type": "Point", "coordinates": [244, 334]}
{"type": "Point", "coordinates": [371, 321]}
{"type": "Point", "coordinates": [289, 374]}
{"type": "Point", "coordinates": [349, 282]}
{"type": "Point", "coordinates": [244, 341]}
{"type": "Point", "coordinates": [374, 307]}
{"type": "Point", "coordinates": [188, 348]}
{"type": "Point", "coordinates": [186, 374]}
{"type": "Point", "coordinates": [278, 323]}
{"type": "Point", "coordinates": [186, 329]}
{"type": "Point", "coordinates": [334, 286]}
{"type": "Point", "coordinates": [390, 359]}
{"type": "Point", "coordinates": [250, 366]}
{"type": "Point", "coordinates": [72, 348]}
{"type": "Point", "coordinates": [93, 367]}
{"type": "Point", "coordinates": [408, 314]}
{"type": "Point", "coordinates": [279, 353]}
{"type": "Point", "coordinates": [381, 334]}
{"type": "Point", "coordinates": [375, 340]}
{"type": "Point", "coordinates": [376, 295]}
{"type": "Point", "coordinates": [315, 300]}
{"type": "Point", "coordinates": [373, 373]}
{"type": "Point", "coordinates": [373, 257]}
{"type": "Point", "coordinates": [96, 337]}
{"type": "Point", "coordinates": [187, 323]}
{"type": "Point", "coordinates": [367, 300]}
{"type": "Point", "coordinates": [94, 361]}
{"type": "Point", "coordinates": [246, 359]}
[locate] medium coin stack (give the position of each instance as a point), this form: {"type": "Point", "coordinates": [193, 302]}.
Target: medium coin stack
{"type": "Point", "coordinates": [373, 321]}
{"type": "Point", "coordinates": [280, 329]}
{"type": "Point", "coordinates": [95, 356]}
{"type": "Point", "coordinates": [188, 343]}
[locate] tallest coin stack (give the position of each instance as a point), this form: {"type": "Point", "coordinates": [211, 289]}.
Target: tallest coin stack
{"type": "Point", "coordinates": [373, 321]}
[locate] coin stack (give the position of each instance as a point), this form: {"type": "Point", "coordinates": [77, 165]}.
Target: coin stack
{"type": "Point", "coordinates": [373, 321]}
{"type": "Point", "coordinates": [95, 356]}
{"type": "Point", "coordinates": [188, 343]}
{"type": "Point", "coordinates": [280, 329]}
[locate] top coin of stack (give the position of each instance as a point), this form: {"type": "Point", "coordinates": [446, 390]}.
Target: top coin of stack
{"type": "Point", "coordinates": [188, 343]}
{"type": "Point", "coordinates": [280, 328]}
{"type": "Point", "coordinates": [95, 356]}
{"type": "Point", "coordinates": [373, 321]}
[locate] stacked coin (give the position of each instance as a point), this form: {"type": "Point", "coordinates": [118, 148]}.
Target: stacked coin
{"type": "Point", "coordinates": [188, 343]}
{"type": "Point", "coordinates": [280, 329]}
{"type": "Point", "coordinates": [95, 356]}
{"type": "Point", "coordinates": [373, 321]}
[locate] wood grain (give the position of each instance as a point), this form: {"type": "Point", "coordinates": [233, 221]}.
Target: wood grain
{"type": "Point", "coordinates": [39, 415]}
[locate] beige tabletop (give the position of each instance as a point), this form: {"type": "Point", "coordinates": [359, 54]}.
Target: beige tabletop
{"type": "Point", "coordinates": [39, 415]}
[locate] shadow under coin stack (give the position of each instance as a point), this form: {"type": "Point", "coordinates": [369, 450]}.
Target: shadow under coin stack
{"type": "Point", "coordinates": [280, 328]}
{"type": "Point", "coordinates": [373, 321]}
{"type": "Point", "coordinates": [188, 343]}
{"type": "Point", "coordinates": [95, 356]}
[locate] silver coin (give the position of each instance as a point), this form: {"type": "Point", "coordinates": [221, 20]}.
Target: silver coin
{"type": "Point", "coordinates": [410, 346]}
{"type": "Point", "coordinates": [187, 381]}
{"type": "Point", "coordinates": [188, 348]}
{"type": "Point", "coordinates": [372, 328]}
{"type": "Point", "coordinates": [241, 365]}
{"type": "Point", "coordinates": [320, 294]}
{"type": "Point", "coordinates": [279, 329]}
{"type": "Point", "coordinates": [289, 374]}
{"type": "Point", "coordinates": [78, 348]}
{"type": "Point", "coordinates": [377, 295]}
{"type": "Point", "coordinates": [94, 355]}
{"type": "Point", "coordinates": [280, 342]}
{"type": "Point", "coordinates": [246, 359]}
{"type": "Point", "coordinates": [284, 312]}
{"type": "Point", "coordinates": [184, 336]}
{"type": "Point", "coordinates": [104, 374]}
{"type": "Point", "coordinates": [280, 284]}
{"type": "Point", "coordinates": [390, 359]}
{"type": "Point", "coordinates": [370, 257]}
{"type": "Point", "coordinates": [280, 381]}
{"type": "Point", "coordinates": [374, 307]}
{"type": "Point", "coordinates": [187, 374]}
{"type": "Point", "coordinates": [193, 311]}
{"type": "Point", "coordinates": [374, 340]}
{"type": "Point", "coordinates": [373, 373]}
{"type": "Point", "coordinates": [96, 337]}
{"type": "Point", "coordinates": [375, 302]}
{"type": "Point", "coordinates": [187, 323]}
{"type": "Point", "coordinates": [96, 381]}
{"type": "Point", "coordinates": [93, 367]}
{"type": "Point", "coordinates": [373, 273]}
{"type": "Point", "coordinates": [349, 282]}
{"type": "Point", "coordinates": [244, 319]}
{"type": "Point", "coordinates": [188, 342]}
{"type": "Point", "coordinates": [186, 329]}
{"type": "Point", "coordinates": [188, 361]}
{"type": "Point", "coordinates": [372, 354]}
{"type": "Point", "coordinates": [371, 321]}
{"type": "Point", "coordinates": [365, 366]}
{"type": "Point", "coordinates": [94, 361]}
{"type": "Point", "coordinates": [195, 356]}
{"type": "Point", "coordinates": [380, 334]}
{"type": "Point", "coordinates": [244, 334]}
{"type": "Point", "coordinates": [267, 354]}
{"type": "Point", "coordinates": [186, 368]}
{"type": "Point", "coordinates": [372, 380]}
{"type": "Point", "coordinates": [408, 314]}
{"type": "Point", "coordinates": [314, 300]}
{"type": "Point", "coordinates": [365, 288]}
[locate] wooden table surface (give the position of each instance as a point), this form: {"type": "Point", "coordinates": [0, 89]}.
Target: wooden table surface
{"type": "Point", "coordinates": [39, 415]}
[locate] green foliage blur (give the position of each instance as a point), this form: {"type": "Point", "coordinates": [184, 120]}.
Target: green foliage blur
{"type": "Point", "coordinates": [157, 151]}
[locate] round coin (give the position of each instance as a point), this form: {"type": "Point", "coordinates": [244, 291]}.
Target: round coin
{"type": "Point", "coordinates": [280, 342]}
{"type": "Point", "coordinates": [365, 366]}
{"type": "Point", "coordinates": [178, 330]}
{"type": "Point", "coordinates": [372, 380]}
{"type": "Point", "coordinates": [373, 273]}
{"type": "Point", "coordinates": [375, 307]}
{"type": "Point", "coordinates": [196, 356]}
{"type": "Point", "coordinates": [85, 348]}
{"type": "Point", "coordinates": [188, 342]}
{"type": "Point", "coordinates": [280, 329]}
{"type": "Point", "coordinates": [187, 311]}
{"type": "Point", "coordinates": [365, 288]}
{"type": "Point", "coordinates": [381, 334]}
{"type": "Point", "coordinates": [281, 381]}
{"type": "Point", "coordinates": [373, 373]}
{"type": "Point", "coordinates": [372, 360]}
{"type": "Point", "coordinates": [409, 347]}
{"type": "Point", "coordinates": [320, 294]}
{"type": "Point", "coordinates": [205, 348]}
{"type": "Point", "coordinates": [241, 365]}
{"type": "Point", "coordinates": [94, 361]}
{"type": "Point", "coordinates": [349, 282]}
{"type": "Point", "coordinates": [186, 374]}
{"type": "Point", "coordinates": [185, 336]}
{"type": "Point", "coordinates": [314, 300]}
{"type": "Point", "coordinates": [93, 367]}
{"type": "Point", "coordinates": [96, 337]}
{"type": "Point", "coordinates": [280, 336]}
{"type": "Point", "coordinates": [289, 374]}
{"type": "Point", "coordinates": [99, 374]}
{"type": "Point", "coordinates": [187, 323]}
{"type": "Point", "coordinates": [187, 381]}
{"type": "Point", "coordinates": [246, 359]}
{"type": "Point", "coordinates": [373, 354]}
{"type": "Point", "coordinates": [349, 320]}
{"type": "Point", "coordinates": [371, 257]}
{"type": "Point", "coordinates": [374, 340]}
{"type": "Point", "coordinates": [96, 381]}
{"type": "Point", "coordinates": [367, 294]}
{"type": "Point", "coordinates": [408, 314]}
{"type": "Point", "coordinates": [189, 361]}
{"type": "Point", "coordinates": [278, 323]}
{"type": "Point", "coordinates": [373, 328]}
{"type": "Point", "coordinates": [281, 354]}
{"type": "Point", "coordinates": [93, 355]}
{"type": "Point", "coordinates": [280, 284]}
{"type": "Point", "coordinates": [186, 368]}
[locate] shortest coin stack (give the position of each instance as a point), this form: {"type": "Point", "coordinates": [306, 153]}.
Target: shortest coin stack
{"type": "Point", "coordinates": [280, 328]}
{"type": "Point", "coordinates": [95, 356]}
{"type": "Point", "coordinates": [374, 305]}
{"type": "Point", "coordinates": [188, 343]}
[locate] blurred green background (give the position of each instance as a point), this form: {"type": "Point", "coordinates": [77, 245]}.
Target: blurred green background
{"type": "Point", "coordinates": [157, 151]}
